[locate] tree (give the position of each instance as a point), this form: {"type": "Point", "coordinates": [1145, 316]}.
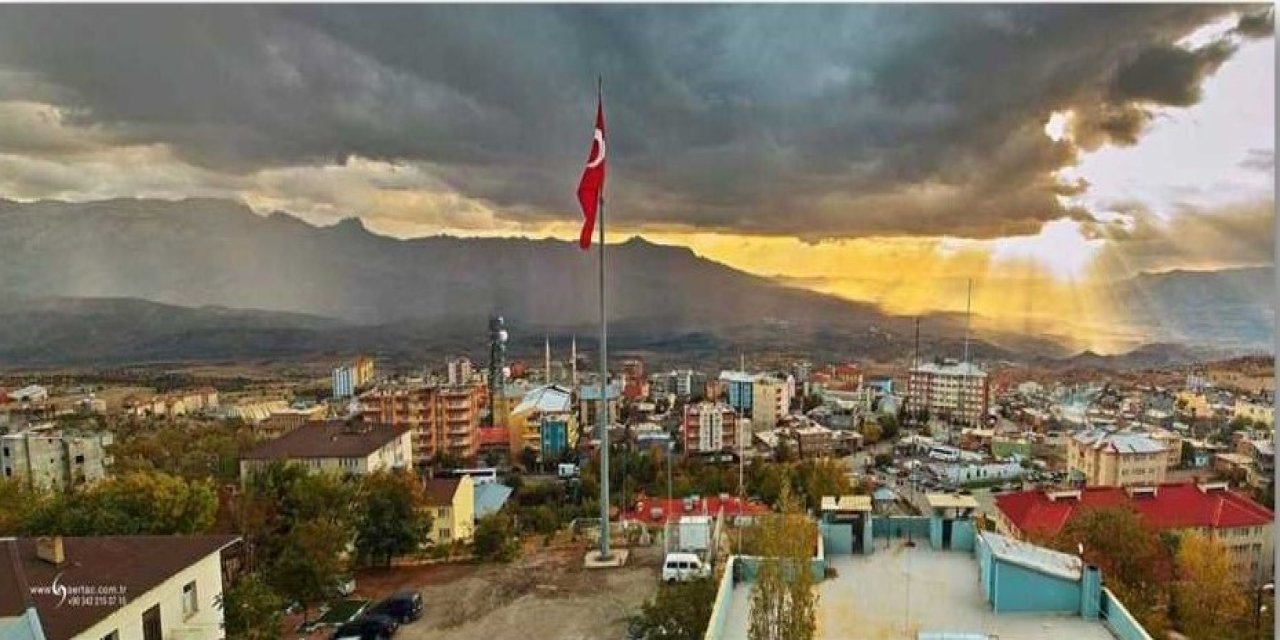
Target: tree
{"type": "Point", "coordinates": [309, 563]}
{"type": "Point", "coordinates": [20, 502]}
{"type": "Point", "coordinates": [252, 610]}
{"type": "Point", "coordinates": [1208, 600]}
{"type": "Point", "coordinates": [679, 612]}
{"type": "Point", "coordinates": [494, 538]}
{"type": "Point", "coordinates": [137, 503]}
{"type": "Point", "coordinates": [390, 519]}
{"type": "Point", "coordinates": [889, 426]}
{"type": "Point", "coordinates": [1132, 557]}
{"type": "Point", "coordinates": [784, 602]}
{"type": "Point", "coordinates": [871, 432]}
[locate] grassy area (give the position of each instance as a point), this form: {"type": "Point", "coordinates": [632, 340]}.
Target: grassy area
{"type": "Point", "coordinates": [342, 611]}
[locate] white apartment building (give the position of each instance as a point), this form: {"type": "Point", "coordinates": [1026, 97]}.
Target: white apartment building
{"type": "Point", "coordinates": [712, 426]}
{"type": "Point", "coordinates": [949, 389]}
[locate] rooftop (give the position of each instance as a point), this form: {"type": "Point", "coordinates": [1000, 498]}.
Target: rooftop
{"type": "Point", "coordinates": [1170, 506]}
{"type": "Point", "coordinates": [136, 563]}
{"type": "Point", "coordinates": [1119, 442]}
{"type": "Point", "coordinates": [545, 399]}
{"type": "Point", "coordinates": [898, 592]}
{"type": "Point", "coordinates": [335, 439]}
{"type": "Point", "coordinates": [440, 491]}
{"type": "Point", "coordinates": [950, 369]}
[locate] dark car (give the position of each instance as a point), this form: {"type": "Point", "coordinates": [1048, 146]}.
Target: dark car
{"type": "Point", "coordinates": [367, 627]}
{"type": "Point", "coordinates": [402, 606]}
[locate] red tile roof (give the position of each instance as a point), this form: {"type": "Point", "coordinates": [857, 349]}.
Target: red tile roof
{"type": "Point", "coordinates": [1174, 506]}
{"type": "Point", "coordinates": [439, 491]}
{"type": "Point", "coordinates": [494, 436]}
{"type": "Point", "coordinates": [674, 508]}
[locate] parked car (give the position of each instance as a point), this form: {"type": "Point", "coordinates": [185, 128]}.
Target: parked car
{"type": "Point", "coordinates": [680, 567]}
{"type": "Point", "coordinates": [367, 627]}
{"type": "Point", "coordinates": [403, 607]}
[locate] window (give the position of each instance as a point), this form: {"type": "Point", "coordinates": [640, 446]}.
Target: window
{"type": "Point", "coordinates": [190, 603]}
{"type": "Point", "coordinates": [445, 534]}
{"type": "Point", "coordinates": [114, 635]}
{"type": "Point", "coordinates": [151, 629]}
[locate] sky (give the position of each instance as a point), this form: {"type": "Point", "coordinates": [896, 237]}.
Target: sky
{"type": "Point", "coordinates": [889, 153]}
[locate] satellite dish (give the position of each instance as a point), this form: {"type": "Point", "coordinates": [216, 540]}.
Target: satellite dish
{"type": "Point", "coordinates": [506, 372]}
{"type": "Point", "coordinates": [502, 335]}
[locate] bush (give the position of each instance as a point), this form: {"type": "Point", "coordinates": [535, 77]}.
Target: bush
{"type": "Point", "coordinates": [495, 539]}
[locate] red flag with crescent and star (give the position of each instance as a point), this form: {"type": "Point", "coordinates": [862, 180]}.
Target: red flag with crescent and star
{"type": "Point", "coordinates": [591, 187]}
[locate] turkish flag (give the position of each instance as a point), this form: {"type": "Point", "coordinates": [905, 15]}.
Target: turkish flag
{"type": "Point", "coordinates": [591, 187]}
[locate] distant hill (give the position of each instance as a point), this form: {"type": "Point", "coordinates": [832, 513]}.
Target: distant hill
{"type": "Point", "coordinates": [1228, 309]}
{"type": "Point", "coordinates": [145, 280]}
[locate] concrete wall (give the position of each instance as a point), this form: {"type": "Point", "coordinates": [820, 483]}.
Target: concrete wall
{"type": "Point", "coordinates": [1119, 620]}
{"type": "Point", "coordinates": [720, 607]}
{"type": "Point", "coordinates": [963, 533]}
{"type": "Point", "coordinates": [900, 527]}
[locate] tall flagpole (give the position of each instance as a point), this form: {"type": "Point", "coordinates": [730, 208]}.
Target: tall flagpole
{"type": "Point", "coordinates": [602, 416]}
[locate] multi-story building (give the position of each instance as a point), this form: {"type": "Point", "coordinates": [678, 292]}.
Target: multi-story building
{"type": "Point", "coordinates": [452, 505]}
{"type": "Point", "coordinates": [544, 422]}
{"type": "Point", "coordinates": [114, 587]}
{"type": "Point", "coordinates": [589, 405]}
{"type": "Point", "coordinates": [1098, 457]}
{"type": "Point", "coordinates": [362, 372]}
{"type": "Point", "coordinates": [712, 426]}
{"type": "Point", "coordinates": [337, 447]}
{"type": "Point", "coordinates": [344, 382]}
{"type": "Point", "coordinates": [50, 458]}
{"type": "Point", "coordinates": [458, 371]}
{"type": "Point", "coordinates": [445, 419]}
{"type": "Point", "coordinates": [949, 390]}
{"type": "Point", "coordinates": [1243, 526]}
{"type": "Point", "coordinates": [738, 389]}
{"type": "Point", "coordinates": [771, 401]}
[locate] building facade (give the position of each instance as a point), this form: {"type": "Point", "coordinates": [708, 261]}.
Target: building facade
{"type": "Point", "coordinates": [458, 371]}
{"type": "Point", "coordinates": [337, 447]}
{"type": "Point", "coordinates": [444, 419]}
{"type": "Point", "coordinates": [711, 426]}
{"type": "Point", "coordinates": [452, 505]}
{"type": "Point", "coordinates": [1097, 457]}
{"type": "Point", "coordinates": [770, 402]}
{"type": "Point", "coordinates": [949, 390]}
{"type": "Point", "coordinates": [51, 458]}
{"type": "Point", "coordinates": [344, 382]}
{"type": "Point", "coordinates": [738, 389]}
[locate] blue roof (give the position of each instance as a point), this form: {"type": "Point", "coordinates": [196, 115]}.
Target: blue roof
{"type": "Point", "coordinates": [490, 497]}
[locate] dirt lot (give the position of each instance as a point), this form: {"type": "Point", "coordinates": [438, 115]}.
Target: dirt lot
{"type": "Point", "coordinates": [544, 594]}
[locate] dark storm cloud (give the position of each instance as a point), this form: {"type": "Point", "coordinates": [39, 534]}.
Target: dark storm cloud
{"type": "Point", "coordinates": [819, 121]}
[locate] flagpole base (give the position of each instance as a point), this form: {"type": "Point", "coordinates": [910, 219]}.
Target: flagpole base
{"type": "Point", "coordinates": [616, 560]}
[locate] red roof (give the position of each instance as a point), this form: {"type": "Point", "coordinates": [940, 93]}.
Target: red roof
{"type": "Point", "coordinates": [674, 508]}
{"type": "Point", "coordinates": [1174, 506]}
{"type": "Point", "coordinates": [494, 436]}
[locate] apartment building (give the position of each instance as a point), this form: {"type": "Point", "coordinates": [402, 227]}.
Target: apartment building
{"type": "Point", "coordinates": [738, 389]}
{"type": "Point", "coordinates": [1255, 410]}
{"type": "Point", "coordinates": [51, 458]}
{"type": "Point", "coordinates": [712, 426]}
{"type": "Point", "coordinates": [1098, 457]}
{"type": "Point", "coordinates": [452, 505]}
{"type": "Point", "coordinates": [1242, 525]}
{"type": "Point", "coordinates": [949, 390]}
{"type": "Point", "coordinates": [113, 587]}
{"type": "Point", "coordinates": [338, 447]}
{"type": "Point", "coordinates": [589, 404]}
{"type": "Point", "coordinates": [770, 401]}
{"type": "Point", "coordinates": [544, 422]}
{"type": "Point", "coordinates": [458, 371]}
{"type": "Point", "coordinates": [444, 418]}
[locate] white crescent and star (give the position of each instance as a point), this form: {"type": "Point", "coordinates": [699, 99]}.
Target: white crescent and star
{"type": "Point", "coordinates": [598, 158]}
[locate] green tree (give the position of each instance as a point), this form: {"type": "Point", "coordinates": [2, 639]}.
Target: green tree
{"type": "Point", "coordinates": [253, 611]}
{"type": "Point", "coordinates": [1208, 600]}
{"type": "Point", "coordinates": [137, 503]}
{"type": "Point", "coordinates": [679, 612]}
{"type": "Point", "coordinates": [494, 538]}
{"type": "Point", "coordinates": [784, 601]}
{"type": "Point", "coordinates": [20, 502]}
{"type": "Point", "coordinates": [390, 519]}
{"type": "Point", "coordinates": [309, 563]}
{"type": "Point", "coordinates": [889, 426]}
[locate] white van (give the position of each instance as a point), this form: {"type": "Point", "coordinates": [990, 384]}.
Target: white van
{"type": "Point", "coordinates": [679, 567]}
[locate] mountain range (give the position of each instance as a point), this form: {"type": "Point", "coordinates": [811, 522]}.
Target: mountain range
{"type": "Point", "coordinates": [143, 280]}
